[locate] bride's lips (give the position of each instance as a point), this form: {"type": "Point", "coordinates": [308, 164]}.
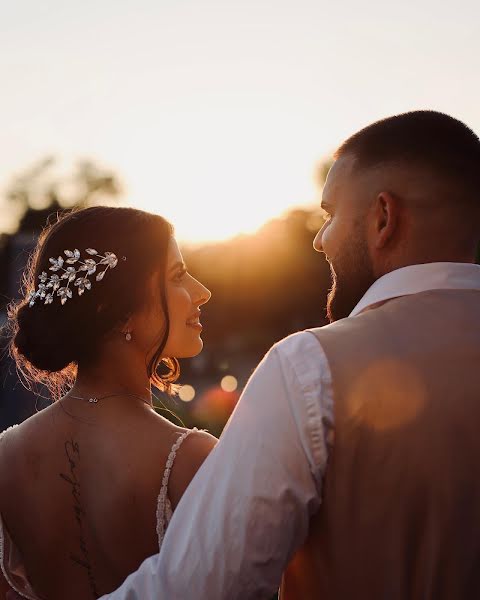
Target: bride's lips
{"type": "Point", "coordinates": [194, 322]}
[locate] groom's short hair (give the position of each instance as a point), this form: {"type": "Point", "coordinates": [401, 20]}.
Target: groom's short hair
{"type": "Point", "coordinates": [444, 146]}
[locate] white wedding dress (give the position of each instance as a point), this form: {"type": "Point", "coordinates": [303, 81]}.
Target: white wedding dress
{"type": "Point", "coordinates": [10, 558]}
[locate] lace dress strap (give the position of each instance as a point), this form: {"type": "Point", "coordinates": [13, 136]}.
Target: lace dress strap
{"type": "Point", "coordinates": [11, 565]}
{"type": "Point", "coordinates": [3, 433]}
{"type": "Point", "coordinates": [164, 508]}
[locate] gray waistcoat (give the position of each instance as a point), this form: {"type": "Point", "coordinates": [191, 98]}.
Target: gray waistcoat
{"type": "Point", "coordinates": [400, 517]}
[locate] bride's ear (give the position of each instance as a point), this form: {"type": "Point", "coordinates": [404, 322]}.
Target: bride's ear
{"type": "Point", "coordinates": [126, 328]}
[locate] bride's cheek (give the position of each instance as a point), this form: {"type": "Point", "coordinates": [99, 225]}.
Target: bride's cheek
{"type": "Point", "coordinates": [172, 304]}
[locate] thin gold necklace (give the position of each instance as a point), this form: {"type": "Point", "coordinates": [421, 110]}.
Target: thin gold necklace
{"type": "Point", "coordinates": [96, 399]}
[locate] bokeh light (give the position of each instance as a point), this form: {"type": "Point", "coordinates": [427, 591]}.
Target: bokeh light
{"type": "Point", "coordinates": [186, 393]}
{"type": "Point", "coordinates": [229, 383]}
{"type": "Point", "coordinates": [215, 406]}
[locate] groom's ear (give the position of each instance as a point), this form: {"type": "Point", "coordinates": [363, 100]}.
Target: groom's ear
{"type": "Point", "coordinates": [386, 212]}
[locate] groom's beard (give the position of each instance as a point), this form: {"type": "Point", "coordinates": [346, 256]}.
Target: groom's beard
{"type": "Point", "coordinates": [352, 275]}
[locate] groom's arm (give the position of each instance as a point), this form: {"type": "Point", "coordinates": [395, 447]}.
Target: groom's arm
{"type": "Point", "coordinates": [248, 508]}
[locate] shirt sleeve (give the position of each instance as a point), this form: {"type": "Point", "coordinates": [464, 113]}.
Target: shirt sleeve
{"type": "Point", "coordinates": [248, 508]}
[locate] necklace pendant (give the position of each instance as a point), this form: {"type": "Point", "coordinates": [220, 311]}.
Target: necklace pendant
{"type": "Point", "coordinates": [93, 400]}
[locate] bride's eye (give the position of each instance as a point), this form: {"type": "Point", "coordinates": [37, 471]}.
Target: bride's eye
{"type": "Point", "coordinates": [179, 276]}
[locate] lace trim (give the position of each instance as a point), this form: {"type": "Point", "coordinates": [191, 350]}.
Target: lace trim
{"type": "Point", "coordinates": [2, 555]}
{"type": "Point", "coordinates": [2, 540]}
{"type": "Point", "coordinates": [6, 430]}
{"type": "Point", "coordinates": [162, 501]}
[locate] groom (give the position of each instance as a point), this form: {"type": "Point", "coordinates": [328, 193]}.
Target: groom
{"type": "Point", "coordinates": [351, 463]}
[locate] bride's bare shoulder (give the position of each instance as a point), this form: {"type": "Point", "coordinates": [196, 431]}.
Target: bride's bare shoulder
{"type": "Point", "coordinates": [18, 438]}
{"type": "Point", "coordinates": [195, 446]}
{"type": "Point", "coordinates": [193, 440]}
{"type": "Point", "coordinates": [8, 438]}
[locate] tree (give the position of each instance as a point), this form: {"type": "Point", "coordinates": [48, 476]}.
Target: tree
{"type": "Point", "coordinates": [40, 191]}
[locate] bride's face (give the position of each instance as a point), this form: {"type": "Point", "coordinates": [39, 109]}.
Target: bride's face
{"type": "Point", "coordinates": [185, 295]}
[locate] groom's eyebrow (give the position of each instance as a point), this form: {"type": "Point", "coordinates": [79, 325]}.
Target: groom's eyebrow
{"type": "Point", "coordinates": [326, 206]}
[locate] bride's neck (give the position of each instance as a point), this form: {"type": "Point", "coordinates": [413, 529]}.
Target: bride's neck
{"type": "Point", "coordinates": [106, 378]}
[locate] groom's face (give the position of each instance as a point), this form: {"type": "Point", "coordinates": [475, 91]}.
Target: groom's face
{"type": "Point", "coordinates": [343, 239]}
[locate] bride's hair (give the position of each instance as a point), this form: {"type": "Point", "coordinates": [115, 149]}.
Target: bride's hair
{"type": "Point", "coordinates": [49, 341]}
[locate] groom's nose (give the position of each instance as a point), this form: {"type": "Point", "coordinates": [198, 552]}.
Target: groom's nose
{"type": "Point", "coordinates": [317, 242]}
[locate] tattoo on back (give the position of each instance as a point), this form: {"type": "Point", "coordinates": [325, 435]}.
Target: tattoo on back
{"type": "Point", "coordinates": [81, 555]}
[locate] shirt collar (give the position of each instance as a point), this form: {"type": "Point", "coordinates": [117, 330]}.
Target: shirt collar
{"type": "Point", "coordinates": [420, 278]}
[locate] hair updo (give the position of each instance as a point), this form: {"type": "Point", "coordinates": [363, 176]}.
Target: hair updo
{"type": "Point", "coordinates": [49, 341]}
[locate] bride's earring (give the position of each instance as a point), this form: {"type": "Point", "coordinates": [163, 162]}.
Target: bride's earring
{"type": "Point", "coordinates": [128, 336]}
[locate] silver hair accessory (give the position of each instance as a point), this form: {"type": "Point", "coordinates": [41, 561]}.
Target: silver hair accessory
{"type": "Point", "coordinates": [79, 275]}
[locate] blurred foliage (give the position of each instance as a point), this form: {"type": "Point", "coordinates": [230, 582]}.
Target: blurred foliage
{"type": "Point", "coordinates": [37, 194]}
{"type": "Point", "coordinates": [40, 191]}
{"type": "Point", "coordinates": [264, 285]}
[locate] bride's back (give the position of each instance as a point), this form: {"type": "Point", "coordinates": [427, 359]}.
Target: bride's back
{"type": "Point", "coordinates": [78, 494]}
{"type": "Point", "coordinates": [108, 299]}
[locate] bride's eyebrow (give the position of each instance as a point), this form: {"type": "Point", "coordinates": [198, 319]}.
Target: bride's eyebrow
{"type": "Point", "coordinates": [177, 265]}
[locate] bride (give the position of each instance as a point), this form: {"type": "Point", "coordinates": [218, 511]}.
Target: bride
{"type": "Point", "coordinates": [88, 485]}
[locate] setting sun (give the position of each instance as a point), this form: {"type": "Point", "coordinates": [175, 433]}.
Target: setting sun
{"type": "Point", "coordinates": [223, 182]}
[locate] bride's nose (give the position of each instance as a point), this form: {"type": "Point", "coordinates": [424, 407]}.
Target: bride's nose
{"type": "Point", "coordinates": [203, 294]}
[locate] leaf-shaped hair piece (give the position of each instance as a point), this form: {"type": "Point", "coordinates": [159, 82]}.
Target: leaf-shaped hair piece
{"type": "Point", "coordinates": [59, 285]}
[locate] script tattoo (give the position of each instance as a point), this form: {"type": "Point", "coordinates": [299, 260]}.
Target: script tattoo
{"type": "Point", "coordinates": [72, 452]}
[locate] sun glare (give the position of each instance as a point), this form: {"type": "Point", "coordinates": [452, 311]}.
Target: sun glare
{"type": "Point", "coordinates": [215, 212]}
{"type": "Point", "coordinates": [221, 183]}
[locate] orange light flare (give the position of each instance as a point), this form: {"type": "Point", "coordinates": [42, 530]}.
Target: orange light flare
{"type": "Point", "coordinates": [215, 405]}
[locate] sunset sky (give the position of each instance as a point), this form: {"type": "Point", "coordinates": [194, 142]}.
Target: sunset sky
{"type": "Point", "coordinates": [215, 113]}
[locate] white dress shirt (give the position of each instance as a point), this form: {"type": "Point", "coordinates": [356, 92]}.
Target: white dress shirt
{"type": "Point", "coordinates": [248, 508]}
